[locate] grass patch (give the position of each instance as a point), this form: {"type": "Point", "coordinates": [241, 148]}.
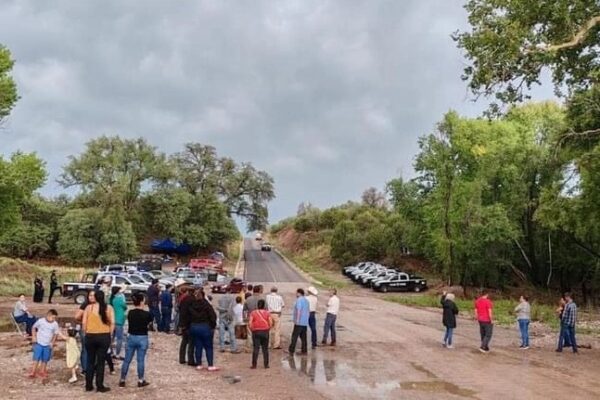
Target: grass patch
{"type": "Point", "coordinates": [16, 276]}
{"type": "Point", "coordinates": [503, 309]}
{"type": "Point", "coordinates": [308, 261]}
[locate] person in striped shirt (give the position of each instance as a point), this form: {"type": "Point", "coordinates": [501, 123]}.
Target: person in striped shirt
{"type": "Point", "coordinates": [275, 306]}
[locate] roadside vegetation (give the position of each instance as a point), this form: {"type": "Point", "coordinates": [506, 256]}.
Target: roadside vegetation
{"type": "Point", "coordinates": [16, 276]}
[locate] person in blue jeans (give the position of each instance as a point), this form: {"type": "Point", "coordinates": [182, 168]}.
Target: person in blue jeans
{"type": "Point", "coordinates": [450, 311]}
{"type": "Point", "coordinates": [21, 314]}
{"type": "Point", "coordinates": [166, 309]}
{"type": "Point", "coordinates": [137, 341]}
{"type": "Point", "coordinates": [153, 294]}
{"type": "Point", "coordinates": [523, 311]}
{"type": "Point", "coordinates": [203, 321]}
{"type": "Point", "coordinates": [568, 322]}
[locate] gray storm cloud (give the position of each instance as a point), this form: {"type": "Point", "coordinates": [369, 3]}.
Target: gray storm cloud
{"type": "Point", "coordinates": [328, 96]}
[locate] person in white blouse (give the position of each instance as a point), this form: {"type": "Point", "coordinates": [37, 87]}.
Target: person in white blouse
{"type": "Point", "coordinates": [275, 306]}
{"type": "Point", "coordinates": [333, 308]}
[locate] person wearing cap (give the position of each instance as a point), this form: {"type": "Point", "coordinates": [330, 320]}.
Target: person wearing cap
{"type": "Point", "coordinates": [54, 286]}
{"type": "Point", "coordinates": [275, 306]}
{"type": "Point", "coordinates": [312, 316]}
{"type": "Point", "coordinates": [178, 295]}
{"type": "Point", "coordinates": [166, 309]}
{"type": "Point", "coordinates": [153, 294]}
{"type": "Point", "coordinates": [333, 308]}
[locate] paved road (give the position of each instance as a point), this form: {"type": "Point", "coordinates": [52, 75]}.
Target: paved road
{"type": "Point", "coordinates": [266, 266]}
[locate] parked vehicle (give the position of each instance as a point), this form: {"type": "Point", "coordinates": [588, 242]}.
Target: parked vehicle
{"type": "Point", "coordinates": [235, 285]}
{"type": "Point", "coordinates": [360, 266]}
{"type": "Point", "coordinates": [357, 274]}
{"type": "Point", "coordinates": [118, 268]}
{"type": "Point", "coordinates": [366, 280]}
{"type": "Point", "coordinates": [205, 263]}
{"type": "Point", "coordinates": [78, 291]}
{"type": "Point", "coordinates": [400, 282]}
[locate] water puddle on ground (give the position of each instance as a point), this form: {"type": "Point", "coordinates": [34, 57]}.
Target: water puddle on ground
{"type": "Point", "coordinates": [333, 376]}
{"type": "Point", "coordinates": [350, 380]}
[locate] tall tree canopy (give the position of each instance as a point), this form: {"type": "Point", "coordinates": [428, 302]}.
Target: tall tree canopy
{"type": "Point", "coordinates": [512, 41]}
{"type": "Point", "coordinates": [8, 88]}
{"type": "Point", "coordinates": [243, 189]}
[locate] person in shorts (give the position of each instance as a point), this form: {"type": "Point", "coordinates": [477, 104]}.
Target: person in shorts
{"type": "Point", "coordinates": [44, 334]}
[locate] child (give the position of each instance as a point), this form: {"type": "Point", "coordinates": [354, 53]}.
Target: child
{"type": "Point", "coordinates": [238, 313]}
{"type": "Point", "coordinates": [44, 333]}
{"type": "Point", "coordinates": [73, 353]}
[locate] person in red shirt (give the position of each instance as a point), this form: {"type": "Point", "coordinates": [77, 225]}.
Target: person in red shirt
{"type": "Point", "coordinates": [260, 324]}
{"type": "Point", "coordinates": [483, 312]}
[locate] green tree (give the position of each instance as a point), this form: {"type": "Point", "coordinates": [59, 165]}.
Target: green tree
{"type": "Point", "coordinates": [243, 189]}
{"type": "Point", "coordinates": [511, 42]}
{"type": "Point", "coordinates": [8, 88]}
{"type": "Point", "coordinates": [79, 235]}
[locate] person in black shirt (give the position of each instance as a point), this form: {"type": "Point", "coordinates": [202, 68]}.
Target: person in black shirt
{"type": "Point", "coordinates": [137, 340]}
{"type": "Point", "coordinates": [153, 303]}
{"type": "Point", "coordinates": [54, 286]}
{"type": "Point", "coordinates": [203, 321]}
{"type": "Point", "coordinates": [187, 345]}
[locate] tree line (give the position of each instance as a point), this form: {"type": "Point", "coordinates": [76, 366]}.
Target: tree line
{"type": "Point", "coordinates": [127, 192]}
{"type": "Point", "coordinates": [513, 196]}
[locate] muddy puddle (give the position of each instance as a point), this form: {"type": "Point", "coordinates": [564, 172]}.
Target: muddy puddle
{"type": "Point", "coordinates": [354, 381]}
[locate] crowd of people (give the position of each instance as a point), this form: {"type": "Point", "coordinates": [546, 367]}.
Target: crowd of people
{"type": "Point", "coordinates": [249, 316]}
{"type": "Point", "coordinates": [566, 312]}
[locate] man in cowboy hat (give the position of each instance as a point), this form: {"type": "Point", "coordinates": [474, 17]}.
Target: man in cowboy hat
{"type": "Point", "coordinates": [312, 317]}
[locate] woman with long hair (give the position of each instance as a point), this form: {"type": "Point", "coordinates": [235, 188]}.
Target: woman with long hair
{"type": "Point", "coordinates": [260, 324]}
{"type": "Point", "coordinates": [203, 321]}
{"type": "Point", "coordinates": [137, 341]}
{"type": "Point", "coordinates": [117, 301]}
{"type": "Point", "coordinates": [98, 324]}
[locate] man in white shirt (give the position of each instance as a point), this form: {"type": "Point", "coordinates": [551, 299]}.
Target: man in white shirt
{"type": "Point", "coordinates": [333, 308]}
{"type": "Point", "coordinates": [312, 318]}
{"type": "Point", "coordinates": [275, 306]}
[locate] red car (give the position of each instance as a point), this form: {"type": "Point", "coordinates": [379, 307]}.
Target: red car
{"type": "Point", "coordinates": [233, 286]}
{"type": "Point", "coordinates": [205, 263]}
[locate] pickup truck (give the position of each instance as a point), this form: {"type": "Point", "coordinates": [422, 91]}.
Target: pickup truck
{"type": "Point", "coordinates": [78, 291]}
{"type": "Point", "coordinates": [400, 282]}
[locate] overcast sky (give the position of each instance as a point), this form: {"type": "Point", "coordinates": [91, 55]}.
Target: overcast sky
{"type": "Point", "coordinates": [329, 97]}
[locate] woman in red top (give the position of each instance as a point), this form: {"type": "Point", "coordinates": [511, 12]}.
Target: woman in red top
{"type": "Point", "coordinates": [260, 324]}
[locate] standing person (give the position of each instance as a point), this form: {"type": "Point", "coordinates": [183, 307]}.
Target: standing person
{"type": "Point", "coordinates": [138, 321]}
{"type": "Point", "coordinates": [166, 309]}
{"type": "Point", "coordinates": [53, 286]}
{"type": "Point", "coordinates": [300, 317]}
{"type": "Point", "coordinates": [45, 331]}
{"type": "Point", "coordinates": [312, 316]}
{"type": "Point", "coordinates": [72, 354]}
{"type": "Point", "coordinates": [483, 312]}
{"type": "Point", "coordinates": [248, 292]}
{"type": "Point", "coordinates": [275, 305]}
{"type": "Point", "coordinates": [260, 324]}
{"type": "Point", "coordinates": [450, 311]}
{"type": "Point", "coordinates": [187, 345]}
{"type": "Point", "coordinates": [38, 290]}
{"type": "Point", "coordinates": [203, 321]}
{"type": "Point", "coordinates": [21, 314]}
{"type": "Point", "coordinates": [79, 318]}
{"type": "Point", "coordinates": [153, 304]}
{"type": "Point", "coordinates": [559, 312]}
{"type": "Point", "coordinates": [98, 324]}
{"type": "Point", "coordinates": [333, 308]}
{"type": "Point", "coordinates": [119, 305]}
{"type": "Point", "coordinates": [523, 310]}
{"type": "Point", "coordinates": [249, 306]}
{"type": "Point", "coordinates": [568, 323]}
{"type": "Point", "coordinates": [225, 307]}
{"type": "Point", "coordinates": [238, 312]}
{"type": "Point", "coordinates": [106, 287]}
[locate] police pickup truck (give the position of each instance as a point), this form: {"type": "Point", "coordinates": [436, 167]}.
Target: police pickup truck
{"type": "Point", "coordinates": [400, 282]}
{"type": "Point", "coordinates": [78, 291]}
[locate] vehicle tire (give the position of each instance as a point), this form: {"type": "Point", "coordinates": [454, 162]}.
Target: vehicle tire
{"type": "Point", "coordinates": [80, 297]}
{"type": "Point", "coordinates": [384, 289]}
{"type": "Point", "coordinates": [417, 289]}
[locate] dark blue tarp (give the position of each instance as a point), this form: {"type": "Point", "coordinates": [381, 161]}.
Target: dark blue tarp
{"type": "Point", "coordinates": [169, 246]}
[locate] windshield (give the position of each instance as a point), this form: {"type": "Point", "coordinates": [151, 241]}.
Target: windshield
{"type": "Point", "coordinates": [136, 279]}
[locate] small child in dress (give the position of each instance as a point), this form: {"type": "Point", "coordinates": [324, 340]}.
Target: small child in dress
{"type": "Point", "coordinates": [44, 334]}
{"type": "Point", "coordinates": [73, 353]}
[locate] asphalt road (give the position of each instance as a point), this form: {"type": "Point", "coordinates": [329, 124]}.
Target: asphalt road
{"type": "Point", "coordinates": [266, 266]}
